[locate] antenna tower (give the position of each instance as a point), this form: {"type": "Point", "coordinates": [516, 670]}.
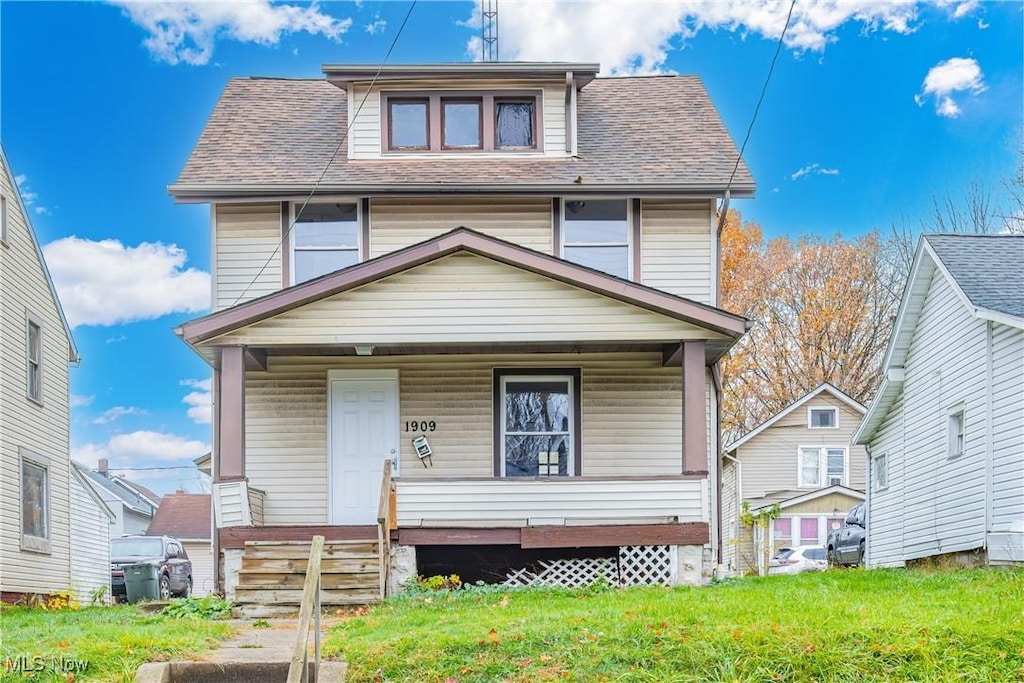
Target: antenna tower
{"type": "Point", "coordinates": [489, 19]}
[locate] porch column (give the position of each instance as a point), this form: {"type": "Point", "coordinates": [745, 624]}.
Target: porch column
{"type": "Point", "coordinates": [695, 429]}
{"type": "Point", "coordinates": [231, 414]}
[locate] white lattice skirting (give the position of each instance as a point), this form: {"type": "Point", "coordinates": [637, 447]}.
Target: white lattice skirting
{"type": "Point", "coordinates": [635, 565]}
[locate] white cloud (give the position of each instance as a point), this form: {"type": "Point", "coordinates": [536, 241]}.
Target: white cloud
{"type": "Point", "coordinates": [199, 402]}
{"type": "Point", "coordinates": [117, 339]}
{"type": "Point", "coordinates": [107, 282]}
{"type": "Point", "coordinates": [116, 413]}
{"type": "Point", "coordinates": [186, 30]}
{"type": "Point", "coordinates": [140, 448]}
{"type": "Point", "coordinates": [635, 37]}
{"type": "Point", "coordinates": [377, 26]}
{"type": "Point", "coordinates": [813, 169]}
{"type": "Point", "coordinates": [81, 401]}
{"type": "Point", "coordinates": [28, 197]}
{"type": "Point", "coordinates": [945, 79]}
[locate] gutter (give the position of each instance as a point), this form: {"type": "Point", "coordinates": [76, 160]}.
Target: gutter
{"type": "Point", "coordinates": [989, 454]}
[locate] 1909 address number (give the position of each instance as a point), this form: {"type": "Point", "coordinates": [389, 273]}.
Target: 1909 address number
{"type": "Point", "coordinates": [420, 425]}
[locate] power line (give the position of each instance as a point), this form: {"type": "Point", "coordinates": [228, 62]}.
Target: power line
{"type": "Point", "coordinates": [344, 137]}
{"type": "Point", "coordinates": [764, 89]}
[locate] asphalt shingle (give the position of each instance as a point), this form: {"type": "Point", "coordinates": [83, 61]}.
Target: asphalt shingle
{"type": "Point", "coordinates": [988, 268]}
{"type": "Point", "coordinates": [635, 130]}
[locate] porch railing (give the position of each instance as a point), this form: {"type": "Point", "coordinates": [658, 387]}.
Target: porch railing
{"type": "Point", "coordinates": [309, 614]}
{"type": "Point", "coordinates": [386, 518]}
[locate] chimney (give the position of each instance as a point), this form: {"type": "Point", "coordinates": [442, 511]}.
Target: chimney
{"type": "Point", "coordinates": [103, 466]}
{"type": "Point", "coordinates": [179, 492]}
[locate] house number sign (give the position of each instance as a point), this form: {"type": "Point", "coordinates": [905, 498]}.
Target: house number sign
{"type": "Point", "coordinates": [420, 425]}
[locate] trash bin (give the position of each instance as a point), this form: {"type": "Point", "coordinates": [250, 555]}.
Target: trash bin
{"type": "Point", "coordinates": [141, 582]}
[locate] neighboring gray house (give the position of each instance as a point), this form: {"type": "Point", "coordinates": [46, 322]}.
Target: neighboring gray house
{"type": "Point", "coordinates": [91, 523]}
{"type": "Point", "coordinates": [133, 512]}
{"type": "Point", "coordinates": [946, 431]}
{"type": "Point", "coordinates": [801, 459]}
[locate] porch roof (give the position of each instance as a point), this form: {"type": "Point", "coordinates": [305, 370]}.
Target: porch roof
{"type": "Point", "coordinates": [720, 324]}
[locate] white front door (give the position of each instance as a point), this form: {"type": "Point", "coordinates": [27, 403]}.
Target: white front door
{"type": "Point", "coordinates": [364, 432]}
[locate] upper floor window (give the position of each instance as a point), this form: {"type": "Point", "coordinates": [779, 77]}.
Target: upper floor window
{"type": "Point", "coordinates": [461, 121]}
{"type": "Point", "coordinates": [956, 431]}
{"type": "Point", "coordinates": [325, 238]}
{"type": "Point", "coordinates": [822, 418]}
{"type": "Point", "coordinates": [595, 233]}
{"type": "Point", "coordinates": [34, 360]}
{"type": "Point", "coordinates": [822, 466]}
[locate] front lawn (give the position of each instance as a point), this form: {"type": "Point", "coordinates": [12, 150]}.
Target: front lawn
{"type": "Point", "coordinates": [111, 642]}
{"type": "Point", "coordinates": [881, 625]}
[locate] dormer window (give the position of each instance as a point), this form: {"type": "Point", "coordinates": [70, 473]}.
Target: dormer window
{"type": "Point", "coordinates": [462, 121]}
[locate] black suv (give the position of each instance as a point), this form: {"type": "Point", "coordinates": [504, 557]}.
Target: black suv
{"type": "Point", "coordinates": [174, 569]}
{"type": "Point", "coordinates": [846, 544]}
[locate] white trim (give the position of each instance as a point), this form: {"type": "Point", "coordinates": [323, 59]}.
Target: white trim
{"type": "Point", "coordinates": [32, 320]}
{"type": "Point", "coordinates": [28, 542]}
{"type": "Point", "coordinates": [371, 373]}
{"type": "Point", "coordinates": [952, 412]}
{"type": "Point", "coordinates": [883, 458]}
{"type": "Point", "coordinates": [822, 465]}
{"type": "Point", "coordinates": [570, 434]}
{"type": "Point", "coordinates": [329, 199]}
{"type": "Point", "coordinates": [824, 386]}
{"type": "Point", "coordinates": [834, 409]}
{"type": "Point", "coordinates": [630, 247]}
{"type": "Point", "coordinates": [812, 495]}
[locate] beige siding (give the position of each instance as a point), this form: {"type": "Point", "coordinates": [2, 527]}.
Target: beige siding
{"type": "Point", "coordinates": [201, 555]}
{"type": "Point", "coordinates": [247, 252]}
{"type": "Point", "coordinates": [365, 134]}
{"type": "Point", "coordinates": [398, 223]}
{"type": "Point", "coordinates": [90, 543]}
{"type": "Point", "coordinates": [676, 247]}
{"type": "Point", "coordinates": [42, 429]}
{"type": "Point", "coordinates": [825, 505]}
{"type": "Point", "coordinates": [631, 420]}
{"type": "Point", "coordinates": [467, 299]}
{"type": "Point", "coordinates": [770, 458]}
{"type": "Point", "coordinates": [559, 502]}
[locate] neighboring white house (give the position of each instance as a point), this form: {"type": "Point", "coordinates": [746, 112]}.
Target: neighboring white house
{"type": "Point", "coordinates": [946, 431]}
{"type": "Point", "coordinates": [802, 460]}
{"type": "Point", "coordinates": [35, 468]}
{"type": "Point", "coordinates": [132, 509]}
{"type": "Point", "coordinates": [91, 521]}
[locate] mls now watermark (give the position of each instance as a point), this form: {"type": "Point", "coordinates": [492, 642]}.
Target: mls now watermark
{"type": "Point", "coordinates": [37, 663]}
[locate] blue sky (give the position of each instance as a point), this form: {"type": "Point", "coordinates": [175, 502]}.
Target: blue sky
{"type": "Point", "coordinates": [872, 111]}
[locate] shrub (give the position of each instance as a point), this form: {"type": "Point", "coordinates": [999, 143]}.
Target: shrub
{"type": "Point", "coordinates": [207, 607]}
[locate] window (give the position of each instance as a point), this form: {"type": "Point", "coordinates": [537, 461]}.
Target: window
{"type": "Point", "coordinates": [34, 360]}
{"type": "Point", "coordinates": [822, 418]}
{"type": "Point", "coordinates": [35, 502]}
{"type": "Point", "coordinates": [808, 531]}
{"type": "Point", "coordinates": [956, 431]}
{"type": "Point", "coordinates": [595, 233]}
{"type": "Point", "coordinates": [822, 466]}
{"type": "Point", "coordinates": [409, 124]}
{"type": "Point", "coordinates": [462, 121]}
{"type": "Point", "coordinates": [3, 217]}
{"type": "Point", "coordinates": [880, 472]}
{"type": "Point", "coordinates": [514, 124]}
{"type": "Point", "coordinates": [325, 238]}
{"type": "Point", "coordinates": [782, 532]}
{"type": "Point", "coordinates": [538, 423]}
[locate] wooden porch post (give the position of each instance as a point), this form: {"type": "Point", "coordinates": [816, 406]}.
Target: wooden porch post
{"type": "Point", "coordinates": [695, 429]}
{"type": "Point", "coordinates": [231, 414]}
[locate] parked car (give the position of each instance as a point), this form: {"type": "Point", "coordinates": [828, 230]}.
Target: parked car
{"type": "Point", "coordinates": [846, 544]}
{"type": "Point", "coordinates": [803, 558]}
{"type": "Point", "coordinates": [174, 571]}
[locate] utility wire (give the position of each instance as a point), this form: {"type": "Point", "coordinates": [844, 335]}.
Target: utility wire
{"type": "Point", "coordinates": [334, 155]}
{"type": "Point", "coordinates": [764, 89]}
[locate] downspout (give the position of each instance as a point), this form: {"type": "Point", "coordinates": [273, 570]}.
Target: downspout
{"type": "Point", "coordinates": [716, 381]}
{"type": "Point", "coordinates": [870, 504]}
{"type": "Point", "coordinates": [722, 214]}
{"type": "Point", "coordinates": [989, 455]}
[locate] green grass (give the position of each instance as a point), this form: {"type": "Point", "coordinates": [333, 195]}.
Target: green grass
{"type": "Point", "coordinates": [111, 641]}
{"type": "Point", "coordinates": [885, 625]}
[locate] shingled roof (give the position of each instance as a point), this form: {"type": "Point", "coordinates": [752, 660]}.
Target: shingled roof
{"type": "Point", "coordinates": [186, 516]}
{"type": "Point", "coordinates": [637, 132]}
{"type": "Point", "coordinates": [988, 268]}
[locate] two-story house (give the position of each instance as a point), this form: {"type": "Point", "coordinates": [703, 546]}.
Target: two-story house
{"type": "Point", "coordinates": [800, 459]}
{"type": "Point", "coordinates": [500, 278]}
{"type": "Point", "coordinates": [49, 517]}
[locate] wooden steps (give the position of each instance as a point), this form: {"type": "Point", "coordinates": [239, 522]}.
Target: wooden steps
{"type": "Point", "coordinates": [272, 574]}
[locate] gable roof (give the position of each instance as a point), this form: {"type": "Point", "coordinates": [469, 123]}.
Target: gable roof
{"type": "Point", "coordinates": [985, 272]}
{"type": "Point", "coordinates": [787, 499]}
{"type": "Point", "coordinates": [81, 473]}
{"type": "Point", "coordinates": [112, 489]}
{"type": "Point", "coordinates": [186, 516]}
{"type": "Point", "coordinates": [823, 387]}
{"type": "Point", "coordinates": [473, 242]}
{"type": "Point", "coordinates": [273, 136]}
{"type": "Point", "coordinates": [73, 356]}
{"type": "Point", "coordinates": [146, 494]}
